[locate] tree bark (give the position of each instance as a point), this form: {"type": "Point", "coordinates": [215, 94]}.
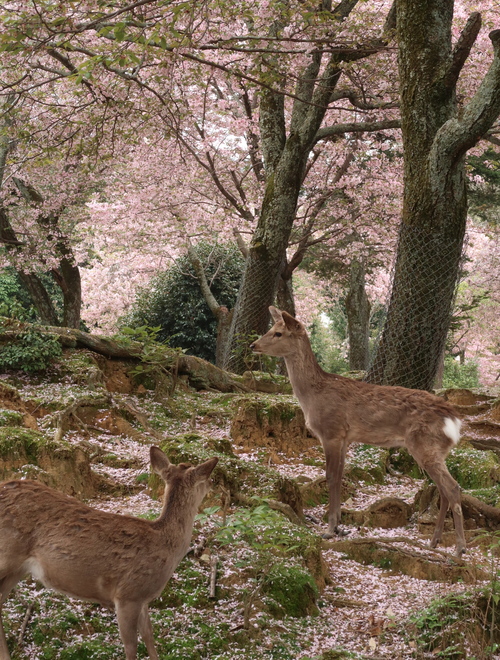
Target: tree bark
{"type": "Point", "coordinates": [436, 138]}
{"type": "Point", "coordinates": [358, 318]}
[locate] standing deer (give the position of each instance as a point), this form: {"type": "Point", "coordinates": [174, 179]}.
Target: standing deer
{"type": "Point", "coordinates": [340, 411]}
{"type": "Point", "coordinates": [118, 561]}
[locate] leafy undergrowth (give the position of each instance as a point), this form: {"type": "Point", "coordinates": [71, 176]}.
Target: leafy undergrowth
{"type": "Point", "coordinates": [281, 593]}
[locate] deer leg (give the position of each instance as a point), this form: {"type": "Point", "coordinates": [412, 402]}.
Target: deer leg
{"type": "Point", "coordinates": [4, 650]}
{"type": "Point", "coordinates": [335, 452]}
{"type": "Point", "coordinates": [438, 530]}
{"type": "Point", "coordinates": [146, 632]}
{"type": "Point", "coordinates": [127, 614]}
{"type": "Point", "coordinates": [7, 583]}
{"type": "Point", "coordinates": [449, 491]}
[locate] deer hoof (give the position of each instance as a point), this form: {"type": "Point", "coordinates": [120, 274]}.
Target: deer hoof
{"type": "Point", "coordinates": [338, 532]}
{"type": "Point", "coordinates": [342, 531]}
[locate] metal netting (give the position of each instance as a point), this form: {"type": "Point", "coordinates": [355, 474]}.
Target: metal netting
{"type": "Point", "coordinates": [422, 292]}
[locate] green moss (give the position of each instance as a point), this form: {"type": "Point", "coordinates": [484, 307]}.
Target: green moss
{"type": "Point", "coordinates": [368, 464]}
{"type": "Point", "coordinates": [473, 468]}
{"type": "Point", "coordinates": [16, 441]}
{"type": "Point", "coordinates": [292, 588]}
{"type": "Point", "coordinates": [490, 495]}
{"type": "Point", "coordinates": [10, 418]}
{"type": "Point", "coordinates": [402, 461]}
{"type": "Point", "coordinates": [230, 472]}
{"type": "Point", "coordinates": [452, 625]}
{"type": "Point", "coordinates": [270, 408]}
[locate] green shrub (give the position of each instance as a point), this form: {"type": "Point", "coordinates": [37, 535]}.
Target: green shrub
{"type": "Point", "coordinates": [462, 625]}
{"type": "Point", "coordinates": [173, 302]}
{"type": "Point", "coordinates": [16, 301]}
{"type": "Point", "coordinates": [31, 351]}
{"type": "Point", "coordinates": [460, 375]}
{"type": "Point", "coordinates": [292, 588]}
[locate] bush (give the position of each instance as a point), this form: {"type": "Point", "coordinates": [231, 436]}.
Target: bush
{"type": "Point", "coordinates": [15, 299]}
{"type": "Point", "coordinates": [173, 301]}
{"type": "Point", "coordinates": [460, 375]}
{"type": "Point", "coordinates": [31, 351]}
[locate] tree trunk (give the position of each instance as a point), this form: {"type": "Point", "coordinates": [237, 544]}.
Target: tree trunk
{"type": "Point", "coordinates": [284, 296]}
{"type": "Point", "coordinates": [40, 298]}
{"type": "Point", "coordinates": [358, 318]}
{"type": "Point", "coordinates": [286, 151]}
{"type": "Point", "coordinates": [68, 278]}
{"type": "Point", "coordinates": [224, 318]}
{"type": "Point", "coordinates": [436, 139]}
{"type": "Point", "coordinates": [266, 254]}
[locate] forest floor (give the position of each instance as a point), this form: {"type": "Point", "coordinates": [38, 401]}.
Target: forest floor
{"type": "Point", "coordinates": [394, 600]}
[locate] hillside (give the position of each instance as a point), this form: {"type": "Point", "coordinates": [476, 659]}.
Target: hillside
{"type": "Point", "coordinates": [259, 582]}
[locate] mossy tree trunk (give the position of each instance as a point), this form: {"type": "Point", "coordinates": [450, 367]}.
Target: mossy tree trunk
{"type": "Point", "coordinates": [437, 134]}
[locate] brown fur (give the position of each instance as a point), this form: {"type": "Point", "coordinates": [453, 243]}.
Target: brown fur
{"type": "Point", "coordinates": [340, 411]}
{"type": "Point", "coordinates": [116, 560]}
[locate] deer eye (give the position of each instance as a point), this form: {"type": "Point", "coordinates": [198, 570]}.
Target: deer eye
{"type": "Point", "coordinates": [277, 334]}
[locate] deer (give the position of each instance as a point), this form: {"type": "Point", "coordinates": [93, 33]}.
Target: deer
{"type": "Point", "coordinates": [119, 561]}
{"type": "Point", "coordinates": [340, 411]}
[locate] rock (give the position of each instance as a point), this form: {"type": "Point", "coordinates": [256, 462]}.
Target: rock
{"type": "Point", "coordinates": [387, 554]}
{"type": "Point", "coordinates": [275, 423]}
{"type": "Point", "coordinates": [388, 513]}
{"type": "Point", "coordinates": [30, 454]}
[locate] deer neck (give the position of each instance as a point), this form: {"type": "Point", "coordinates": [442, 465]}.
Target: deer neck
{"type": "Point", "coordinates": [305, 374]}
{"type": "Point", "coordinates": [177, 518]}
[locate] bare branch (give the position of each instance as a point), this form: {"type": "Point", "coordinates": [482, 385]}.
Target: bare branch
{"type": "Point", "coordinates": [358, 127]}
{"type": "Point", "coordinates": [462, 48]}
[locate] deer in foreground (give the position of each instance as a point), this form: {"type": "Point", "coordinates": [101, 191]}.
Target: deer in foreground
{"type": "Point", "coordinates": [116, 560]}
{"type": "Point", "coordinates": [340, 411]}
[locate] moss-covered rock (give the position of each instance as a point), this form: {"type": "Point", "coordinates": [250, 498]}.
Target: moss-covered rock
{"type": "Point", "coordinates": [28, 453]}
{"type": "Point", "coordinates": [11, 418]}
{"type": "Point", "coordinates": [260, 381]}
{"type": "Point", "coordinates": [81, 366]}
{"type": "Point", "coordinates": [473, 468]}
{"type": "Point", "coordinates": [388, 513]}
{"type": "Point", "coordinates": [461, 625]}
{"type": "Point", "coordinates": [292, 589]}
{"type": "Point", "coordinates": [276, 423]}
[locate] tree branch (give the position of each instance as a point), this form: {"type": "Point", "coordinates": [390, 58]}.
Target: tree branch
{"type": "Point", "coordinates": [356, 127]}
{"type": "Point", "coordinates": [458, 135]}
{"type": "Point", "coordinates": [202, 280]}
{"type": "Point", "coordinates": [462, 48]}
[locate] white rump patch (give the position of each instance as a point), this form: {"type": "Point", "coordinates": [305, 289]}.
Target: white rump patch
{"type": "Point", "coordinates": [452, 429]}
{"type": "Point", "coordinates": [31, 565]}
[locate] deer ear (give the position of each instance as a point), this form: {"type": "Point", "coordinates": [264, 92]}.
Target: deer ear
{"type": "Point", "coordinates": [159, 460]}
{"type": "Point", "coordinates": [204, 470]}
{"type": "Point", "coordinates": [291, 323]}
{"type": "Point", "coordinates": [275, 314]}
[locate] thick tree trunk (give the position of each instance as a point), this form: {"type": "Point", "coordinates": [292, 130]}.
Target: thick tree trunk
{"type": "Point", "coordinates": [358, 318]}
{"type": "Point", "coordinates": [285, 153]}
{"type": "Point", "coordinates": [40, 298]}
{"type": "Point", "coordinates": [68, 278]}
{"type": "Point", "coordinates": [284, 296]}
{"type": "Point", "coordinates": [266, 254]}
{"type": "Point", "coordinates": [435, 142]}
